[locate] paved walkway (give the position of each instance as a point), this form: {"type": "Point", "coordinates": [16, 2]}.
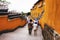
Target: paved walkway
{"type": "Point", "coordinates": [21, 34]}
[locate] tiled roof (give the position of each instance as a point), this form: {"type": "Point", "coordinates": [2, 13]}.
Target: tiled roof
{"type": "Point", "coordinates": [37, 2]}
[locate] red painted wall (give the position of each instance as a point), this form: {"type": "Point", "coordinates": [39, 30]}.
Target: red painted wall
{"type": "Point", "coordinates": [12, 24]}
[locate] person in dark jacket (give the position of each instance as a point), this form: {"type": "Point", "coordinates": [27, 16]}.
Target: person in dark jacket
{"type": "Point", "coordinates": [30, 26]}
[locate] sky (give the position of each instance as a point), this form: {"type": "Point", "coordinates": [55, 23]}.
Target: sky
{"type": "Point", "coordinates": [21, 5]}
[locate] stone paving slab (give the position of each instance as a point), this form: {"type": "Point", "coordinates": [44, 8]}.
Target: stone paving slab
{"type": "Point", "coordinates": [21, 34]}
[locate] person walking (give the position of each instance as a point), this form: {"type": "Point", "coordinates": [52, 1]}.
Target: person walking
{"type": "Point", "coordinates": [30, 26]}
{"type": "Point", "coordinates": [30, 23]}
{"type": "Point", "coordinates": [35, 24]}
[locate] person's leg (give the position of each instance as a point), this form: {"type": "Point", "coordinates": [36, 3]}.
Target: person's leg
{"type": "Point", "coordinates": [35, 32]}
{"type": "Point", "coordinates": [30, 31]}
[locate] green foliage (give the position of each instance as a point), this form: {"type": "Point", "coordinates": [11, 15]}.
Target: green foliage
{"type": "Point", "coordinates": [0, 0]}
{"type": "Point", "coordinates": [3, 0]}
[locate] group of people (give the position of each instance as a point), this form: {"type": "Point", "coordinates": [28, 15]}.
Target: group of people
{"type": "Point", "coordinates": [32, 25]}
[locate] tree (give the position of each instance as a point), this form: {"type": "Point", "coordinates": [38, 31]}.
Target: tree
{"type": "Point", "coordinates": [0, 0]}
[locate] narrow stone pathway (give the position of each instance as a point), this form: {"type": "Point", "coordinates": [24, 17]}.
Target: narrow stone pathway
{"type": "Point", "coordinates": [21, 34]}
